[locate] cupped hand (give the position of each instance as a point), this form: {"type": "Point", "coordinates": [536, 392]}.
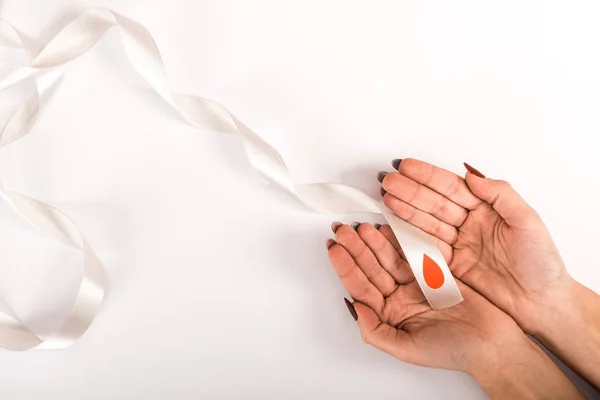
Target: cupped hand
{"type": "Point", "coordinates": [394, 316]}
{"type": "Point", "coordinates": [474, 336]}
{"type": "Point", "coordinates": [491, 238]}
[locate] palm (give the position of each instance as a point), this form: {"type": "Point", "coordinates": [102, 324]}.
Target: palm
{"type": "Point", "coordinates": [479, 255]}
{"type": "Point", "coordinates": [515, 265]}
{"type": "Point", "coordinates": [504, 263]}
{"type": "Point", "coordinates": [371, 267]}
{"type": "Point", "coordinates": [459, 332]}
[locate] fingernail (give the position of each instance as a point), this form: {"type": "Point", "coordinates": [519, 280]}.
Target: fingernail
{"type": "Point", "coordinates": [355, 225]}
{"type": "Point", "coordinates": [381, 175]}
{"type": "Point", "coordinates": [377, 226]}
{"type": "Point", "coordinates": [329, 243]}
{"type": "Point", "coordinates": [396, 163]}
{"type": "Point", "coordinates": [335, 226]}
{"type": "Point", "coordinates": [382, 191]}
{"type": "Point", "coordinates": [473, 171]}
{"type": "Point", "coordinates": [351, 309]}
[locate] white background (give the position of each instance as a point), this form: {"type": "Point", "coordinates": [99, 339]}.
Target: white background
{"type": "Point", "coordinates": [220, 285]}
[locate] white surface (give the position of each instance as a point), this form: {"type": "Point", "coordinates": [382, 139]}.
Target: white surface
{"type": "Point", "coordinates": [220, 286]}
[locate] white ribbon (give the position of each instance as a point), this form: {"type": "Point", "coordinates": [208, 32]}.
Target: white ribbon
{"type": "Point", "coordinates": [73, 40]}
{"type": "Point", "coordinates": [14, 335]}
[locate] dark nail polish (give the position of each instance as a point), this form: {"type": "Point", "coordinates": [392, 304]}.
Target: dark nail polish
{"type": "Point", "coordinates": [377, 226]}
{"type": "Point", "coordinates": [382, 191]}
{"type": "Point", "coordinates": [351, 309]}
{"type": "Point", "coordinates": [329, 243]}
{"type": "Point", "coordinates": [355, 225]}
{"type": "Point", "coordinates": [381, 175]}
{"type": "Point", "coordinates": [474, 171]}
{"type": "Point", "coordinates": [396, 163]}
{"type": "Point", "coordinates": [335, 226]}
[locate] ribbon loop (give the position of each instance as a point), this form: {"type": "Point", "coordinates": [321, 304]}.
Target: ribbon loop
{"type": "Point", "coordinates": [72, 41]}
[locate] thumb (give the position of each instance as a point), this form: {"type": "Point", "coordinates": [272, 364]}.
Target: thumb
{"type": "Point", "coordinates": [502, 197]}
{"type": "Point", "coordinates": [373, 331]}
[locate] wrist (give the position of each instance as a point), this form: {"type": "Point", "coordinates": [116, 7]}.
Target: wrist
{"type": "Point", "coordinates": [574, 310]}
{"type": "Point", "coordinates": [524, 372]}
{"type": "Point", "coordinates": [498, 375]}
{"type": "Point", "coordinates": [571, 330]}
{"type": "Point", "coordinates": [544, 313]}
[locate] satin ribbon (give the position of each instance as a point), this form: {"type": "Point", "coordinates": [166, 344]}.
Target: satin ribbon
{"type": "Point", "coordinates": [53, 223]}
{"type": "Point", "coordinates": [73, 40]}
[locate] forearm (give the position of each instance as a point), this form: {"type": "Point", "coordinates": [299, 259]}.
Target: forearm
{"type": "Point", "coordinates": [527, 373]}
{"type": "Point", "coordinates": [571, 330]}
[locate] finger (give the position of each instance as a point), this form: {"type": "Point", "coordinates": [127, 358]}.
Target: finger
{"type": "Point", "coordinates": [424, 198]}
{"type": "Point", "coordinates": [421, 220]}
{"type": "Point", "coordinates": [446, 250]}
{"type": "Point", "coordinates": [365, 259]}
{"type": "Point", "coordinates": [504, 199]}
{"type": "Point", "coordinates": [353, 279]}
{"type": "Point", "coordinates": [395, 342]}
{"type": "Point", "coordinates": [386, 253]}
{"type": "Point", "coordinates": [387, 231]}
{"type": "Point", "coordinates": [446, 183]}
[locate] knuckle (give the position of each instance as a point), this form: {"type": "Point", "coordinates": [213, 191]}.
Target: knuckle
{"type": "Point", "coordinates": [415, 194]}
{"type": "Point", "coordinates": [440, 206]}
{"type": "Point", "coordinates": [366, 336]}
{"type": "Point", "coordinates": [461, 218]}
{"type": "Point", "coordinates": [435, 227]}
{"type": "Point", "coordinates": [504, 185]}
{"type": "Point", "coordinates": [397, 206]}
{"type": "Point", "coordinates": [380, 246]}
{"type": "Point", "coordinates": [364, 292]}
{"type": "Point", "coordinates": [398, 264]}
{"type": "Point", "coordinates": [361, 255]}
{"type": "Point", "coordinates": [453, 187]}
{"type": "Point", "coordinates": [373, 271]}
{"type": "Point", "coordinates": [411, 214]}
{"type": "Point", "coordinates": [429, 175]}
{"type": "Point", "coordinates": [454, 238]}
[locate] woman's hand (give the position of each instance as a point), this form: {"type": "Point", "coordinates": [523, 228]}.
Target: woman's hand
{"type": "Point", "coordinates": [491, 239]}
{"type": "Point", "coordinates": [498, 245]}
{"type": "Point", "coordinates": [474, 336]}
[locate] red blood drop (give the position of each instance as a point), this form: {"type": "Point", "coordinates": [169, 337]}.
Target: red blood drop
{"type": "Point", "coordinates": [434, 277]}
